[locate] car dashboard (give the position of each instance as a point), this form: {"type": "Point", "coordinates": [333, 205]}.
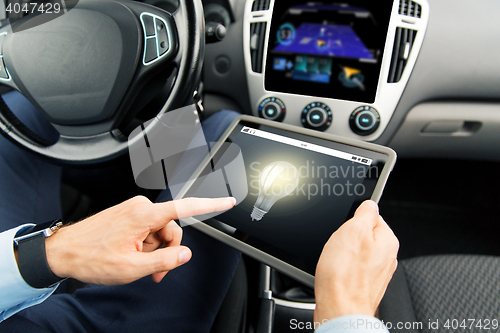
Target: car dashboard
{"type": "Point", "coordinates": [359, 85]}
{"type": "Point", "coordinates": [432, 94]}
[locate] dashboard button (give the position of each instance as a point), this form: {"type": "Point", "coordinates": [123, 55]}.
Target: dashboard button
{"type": "Point", "coordinates": [317, 116]}
{"type": "Point", "coordinates": [149, 25]}
{"type": "Point", "coordinates": [271, 111]}
{"type": "Point", "coordinates": [272, 108]}
{"type": "Point", "coordinates": [150, 53]}
{"type": "Point", "coordinates": [365, 120]}
{"type": "Point", "coordinates": [163, 42]}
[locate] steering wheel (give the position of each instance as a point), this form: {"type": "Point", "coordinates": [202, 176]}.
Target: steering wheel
{"type": "Point", "coordinates": [86, 69]}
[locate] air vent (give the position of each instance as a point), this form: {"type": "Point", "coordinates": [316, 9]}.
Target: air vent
{"type": "Point", "coordinates": [260, 5]}
{"type": "Point", "coordinates": [257, 38]}
{"type": "Point", "coordinates": [409, 8]}
{"type": "Point", "coordinates": [403, 43]}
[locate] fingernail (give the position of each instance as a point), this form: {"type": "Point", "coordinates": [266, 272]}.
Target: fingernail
{"type": "Point", "coordinates": [232, 200]}
{"type": "Point", "coordinates": [184, 256]}
{"type": "Point", "coordinates": [372, 204]}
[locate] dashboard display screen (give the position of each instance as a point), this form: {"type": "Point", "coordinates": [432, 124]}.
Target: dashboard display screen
{"type": "Point", "coordinates": [325, 49]}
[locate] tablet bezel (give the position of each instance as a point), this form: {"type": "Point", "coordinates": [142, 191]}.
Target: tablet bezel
{"type": "Point", "coordinates": [278, 264]}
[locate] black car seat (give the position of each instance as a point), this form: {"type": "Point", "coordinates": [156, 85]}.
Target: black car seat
{"type": "Point", "coordinates": [443, 288]}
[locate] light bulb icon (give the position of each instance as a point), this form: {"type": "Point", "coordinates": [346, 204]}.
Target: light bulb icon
{"type": "Point", "coordinates": [278, 180]}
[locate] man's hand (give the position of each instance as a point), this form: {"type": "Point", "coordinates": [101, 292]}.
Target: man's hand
{"type": "Point", "coordinates": [122, 244]}
{"type": "Point", "coordinates": [355, 266]}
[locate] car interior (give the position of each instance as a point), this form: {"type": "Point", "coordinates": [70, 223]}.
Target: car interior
{"type": "Point", "coordinates": [418, 76]}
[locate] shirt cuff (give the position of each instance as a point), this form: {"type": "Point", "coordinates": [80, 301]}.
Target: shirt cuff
{"type": "Point", "coordinates": [15, 293]}
{"type": "Point", "coordinates": [353, 324]}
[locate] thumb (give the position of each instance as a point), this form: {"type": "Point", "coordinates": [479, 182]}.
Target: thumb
{"type": "Point", "coordinates": [367, 214]}
{"type": "Point", "coordinates": [163, 260]}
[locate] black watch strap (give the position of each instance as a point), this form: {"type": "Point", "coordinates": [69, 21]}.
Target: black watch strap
{"type": "Point", "coordinates": [32, 262]}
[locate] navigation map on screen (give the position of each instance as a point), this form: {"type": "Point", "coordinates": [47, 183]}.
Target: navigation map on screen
{"type": "Point", "coordinates": [327, 40]}
{"type": "Point", "coordinates": [338, 48]}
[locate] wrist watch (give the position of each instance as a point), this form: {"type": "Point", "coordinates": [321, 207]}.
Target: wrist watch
{"type": "Point", "coordinates": [31, 256]}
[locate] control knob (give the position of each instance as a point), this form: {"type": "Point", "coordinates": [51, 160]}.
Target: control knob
{"type": "Point", "coordinates": [272, 108]}
{"type": "Point", "coordinates": [365, 120]}
{"type": "Point", "coordinates": [317, 116]}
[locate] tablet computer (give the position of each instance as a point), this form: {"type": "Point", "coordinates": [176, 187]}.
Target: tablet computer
{"type": "Point", "coordinates": [300, 187]}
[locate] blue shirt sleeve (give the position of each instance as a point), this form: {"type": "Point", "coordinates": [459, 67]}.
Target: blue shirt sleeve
{"type": "Point", "coordinates": [15, 293]}
{"type": "Point", "coordinates": [353, 324]}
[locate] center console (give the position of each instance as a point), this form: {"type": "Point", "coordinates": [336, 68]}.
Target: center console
{"type": "Point", "coordinates": [340, 68]}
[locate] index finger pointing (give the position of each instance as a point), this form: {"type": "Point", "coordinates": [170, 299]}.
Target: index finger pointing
{"type": "Point", "coordinates": [184, 208]}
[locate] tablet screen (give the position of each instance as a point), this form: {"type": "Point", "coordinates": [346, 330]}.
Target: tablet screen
{"type": "Point", "coordinates": [300, 190]}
